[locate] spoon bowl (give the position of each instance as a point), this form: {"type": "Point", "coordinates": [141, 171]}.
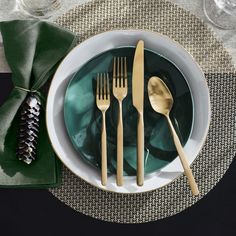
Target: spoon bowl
{"type": "Point", "coordinates": [160, 96]}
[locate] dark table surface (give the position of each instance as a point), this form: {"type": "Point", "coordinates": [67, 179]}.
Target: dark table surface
{"type": "Point", "coordinates": [38, 212]}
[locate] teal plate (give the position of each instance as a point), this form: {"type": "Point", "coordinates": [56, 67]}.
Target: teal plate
{"type": "Point", "coordinates": [83, 119]}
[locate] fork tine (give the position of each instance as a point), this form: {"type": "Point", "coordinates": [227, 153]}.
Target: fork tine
{"type": "Point", "coordinates": [101, 86]}
{"type": "Point", "coordinates": [122, 72]}
{"type": "Point", "coordinates": [114, 67]}
{"type": "Point", "coordinates": [97, 87]}
{"type": "Point", "coordinates": [125, 72]}
{"type": "Point", "coordinates": [108, 87]}
{"type": "Point", "coordinates": [104, 85]}
{"type": "Point", "coordinates": [114, 73]}
{"type": "Point", "coordinates": [118, 72]}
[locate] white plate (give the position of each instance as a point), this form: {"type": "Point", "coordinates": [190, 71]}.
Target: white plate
{"type": "Point", "coordinates": [103, 42]}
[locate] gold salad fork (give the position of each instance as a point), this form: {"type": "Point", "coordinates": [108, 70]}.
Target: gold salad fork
{"type": "Point", "coordinates": [103, 103]}
{"type": "Point", "coordinates": [120, 89]}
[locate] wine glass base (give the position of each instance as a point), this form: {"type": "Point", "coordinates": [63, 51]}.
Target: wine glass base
{"type": "Point", "coordinates": [38, 12]}
{"type": "Point", "coordinates": [218, 17]}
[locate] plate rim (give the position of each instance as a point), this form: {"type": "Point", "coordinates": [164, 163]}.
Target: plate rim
{"type": "Point", "coordinates": [133, 31]}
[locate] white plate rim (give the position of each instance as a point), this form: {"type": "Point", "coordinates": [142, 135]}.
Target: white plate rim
{"type": "Point", "coordinates": [48, 106]}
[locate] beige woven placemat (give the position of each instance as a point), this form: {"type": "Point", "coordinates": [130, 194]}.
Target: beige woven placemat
{"type": "Point", "coordinates": [166, 18]}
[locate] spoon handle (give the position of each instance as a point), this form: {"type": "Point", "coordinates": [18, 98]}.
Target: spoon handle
{"type": "Point", "coordinates": [183, 159]}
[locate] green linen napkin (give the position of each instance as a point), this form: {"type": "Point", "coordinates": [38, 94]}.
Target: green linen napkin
{"type": "Point", "coordinates": [33, 50]}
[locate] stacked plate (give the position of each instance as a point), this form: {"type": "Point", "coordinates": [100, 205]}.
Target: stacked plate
{"type": "Point", "coordinates": [74, 122]}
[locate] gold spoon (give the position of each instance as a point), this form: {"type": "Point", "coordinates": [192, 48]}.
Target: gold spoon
{"type": "Point", "coordinates": [162, 101]}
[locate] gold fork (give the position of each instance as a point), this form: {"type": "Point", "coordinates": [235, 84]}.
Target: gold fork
{"type": "Point", "coordinates": [120, 89]}
{"type": "Point", "coordinates": [103, 103]}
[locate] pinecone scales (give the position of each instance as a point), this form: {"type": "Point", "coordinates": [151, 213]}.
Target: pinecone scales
{"type": "Point", "coordinates": [29, 129]}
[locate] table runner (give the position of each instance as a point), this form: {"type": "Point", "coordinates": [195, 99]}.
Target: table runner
{"type": "Point", "coordinates": [219, 149]}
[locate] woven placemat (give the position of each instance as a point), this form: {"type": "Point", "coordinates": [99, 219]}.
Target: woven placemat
{"type": "Point", "coordinates": [166, 18]}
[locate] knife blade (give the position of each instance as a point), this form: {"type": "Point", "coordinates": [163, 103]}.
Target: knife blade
{"type": "Point", "coordinates": [138, 77]}
{"type": "Point", "coordinates": [137, 98]}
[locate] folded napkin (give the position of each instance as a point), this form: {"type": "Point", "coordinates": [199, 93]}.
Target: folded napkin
{"type": "Point", "coordinates": [33, 50]}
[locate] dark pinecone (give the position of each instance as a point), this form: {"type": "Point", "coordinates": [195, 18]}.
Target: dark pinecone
{"type": "Point", "coordinates": [29, 129]}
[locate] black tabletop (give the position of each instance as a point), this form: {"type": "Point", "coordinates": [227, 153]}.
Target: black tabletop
{"type": "Point", "coordinates": [38, 212]}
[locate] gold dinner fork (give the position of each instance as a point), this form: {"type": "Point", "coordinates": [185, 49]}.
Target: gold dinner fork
{"type": "Point", "coordinates": [120, 89]}
{"type": "Point", "coordinates": [103, 103]}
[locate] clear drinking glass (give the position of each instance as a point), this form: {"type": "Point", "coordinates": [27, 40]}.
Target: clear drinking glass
{"type": "Point", "coordinates": [221, 13]}
{"type": "Point", "coordinates": [7, 10]}
{"type": "Point", "coordinates": [39, 8]}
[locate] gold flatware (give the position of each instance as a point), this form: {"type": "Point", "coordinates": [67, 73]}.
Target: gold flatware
{"type": "Point", "coordinates": [120, 89]}
{"type": "Point", "coordinates": [162, 101]}
{"type": "Point", "coordinates": [103, 103]}
{"type": "Point", "coordinates": [137, 97]}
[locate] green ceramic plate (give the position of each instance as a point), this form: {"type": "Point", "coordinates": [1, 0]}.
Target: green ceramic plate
{"type": "Point", "coordinates": [83, 119]}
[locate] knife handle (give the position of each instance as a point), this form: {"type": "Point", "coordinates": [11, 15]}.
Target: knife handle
{"type": "Point", "coordinates": [140, 151]}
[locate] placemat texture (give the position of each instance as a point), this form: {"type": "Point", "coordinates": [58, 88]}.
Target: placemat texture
{"type": "Point", "coordinates": [219, 149]}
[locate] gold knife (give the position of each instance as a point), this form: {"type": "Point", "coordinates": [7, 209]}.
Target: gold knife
{"type": "Point", "coordinates": [137, 97]}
